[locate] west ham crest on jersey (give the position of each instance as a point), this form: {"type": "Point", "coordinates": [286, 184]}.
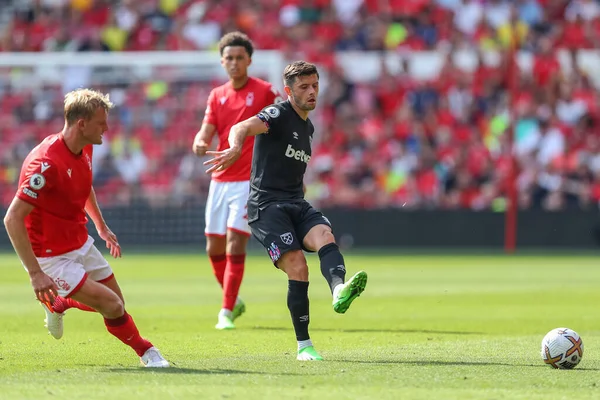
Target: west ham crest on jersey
{"type": "Point", "coordinates": [287, 238]}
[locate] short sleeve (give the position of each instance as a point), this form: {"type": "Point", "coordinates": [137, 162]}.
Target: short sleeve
{"type": "Point", "coordinates": [210, 116]}
{"type": "Point", "coordinates": [271, 116]}
{"type": "Point", "coordinates": [38, 179]}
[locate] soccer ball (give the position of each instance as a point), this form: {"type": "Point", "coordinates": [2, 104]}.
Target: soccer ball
{"type": "Point", "coordinates": [562, 348]}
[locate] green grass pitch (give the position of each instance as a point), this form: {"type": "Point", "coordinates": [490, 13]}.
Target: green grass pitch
{"type": "Point", "coordinates": [427, 327]}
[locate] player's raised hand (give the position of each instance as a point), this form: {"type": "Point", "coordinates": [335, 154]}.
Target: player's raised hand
{"type": "Point", "coordinates": [222, 159]}
{"type": "Point", "coordinates": [44, 287]}
{"type": "Point", "coordinates": [111, 241]}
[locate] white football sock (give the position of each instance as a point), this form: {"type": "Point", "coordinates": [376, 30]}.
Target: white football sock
{"type": "Point", "coordinates": [337, 289]}
{"type": "Point", "coordinates": [304, 343]}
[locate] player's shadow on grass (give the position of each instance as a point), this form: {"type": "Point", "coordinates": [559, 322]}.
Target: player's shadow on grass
{"type": "Point", "coordinates": [373, 330]}
{"type": "Point", "coordinates": [189, 371]}
{"type": "Point", "coordinates": [439, 363]}
{"type": "Point", "coordinates": [454, 363]}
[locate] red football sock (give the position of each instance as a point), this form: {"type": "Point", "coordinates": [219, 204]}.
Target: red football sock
{"type": "Point", "coordinates": [124, 329]}
{"type": "Point", "coordinates": [61, 304]}
{"type": "Point", "coordinates": [233, 279]}
{"type": "Point", "coordinates": [219, 263]}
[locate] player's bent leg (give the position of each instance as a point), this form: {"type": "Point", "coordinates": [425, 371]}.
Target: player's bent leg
{"type": "Point", "coordinates": [117, 321]}
{"type": "Point", "coordinates": [62, 304]}
{"type": "Point", "coordinates": [151, 358]}
{"type": "Point", "coordinates": [101, 298]}
{"type": "Point", "coordinates": [102, 292]}
{"type": "Point", "coordinates": [321, 239]}
{"type": "Point", "coordinates": [293, 263]}
{"type": "Point", "coordinates": [275, 229]}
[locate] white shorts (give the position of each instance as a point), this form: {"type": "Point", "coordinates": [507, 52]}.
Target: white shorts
{"type": "Point", "coordinates": [226, 208]}
{"type": "Point", "coordinates": [70, 270]}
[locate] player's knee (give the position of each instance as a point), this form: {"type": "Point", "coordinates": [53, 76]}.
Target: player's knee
{"type": "Point", "coordinates": [215, 246]}
{"type": "Point", "coordinates": [293, 263]}
{"type": "Point", "coordinates": [113, 308]}
{"type": "Point", "coordinates": [327, 237]}
{"type": "Point", "coordinates": [318, 237]}
{"type": "Point", "coordinates": [236, 243]}
{"type": "Point", "coordinates": [118, 308]}
{"type": "Point", "coordinates": [210, 250]}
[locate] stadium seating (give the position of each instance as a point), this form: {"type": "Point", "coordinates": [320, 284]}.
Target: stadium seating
{"type": "Point", "coordinates": [393, 141]}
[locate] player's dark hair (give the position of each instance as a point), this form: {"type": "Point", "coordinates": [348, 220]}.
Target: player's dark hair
{"type": "Point", "coordinates": [236, 39]}
{"type": "Point", "coordinates": [296, 69]}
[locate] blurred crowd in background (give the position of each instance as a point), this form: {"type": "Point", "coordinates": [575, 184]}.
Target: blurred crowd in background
{"type": "Point", "coordinates": [395, 141]}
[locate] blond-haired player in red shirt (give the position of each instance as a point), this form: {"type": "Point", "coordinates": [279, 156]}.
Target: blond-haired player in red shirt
{"type": "Point", "coordinates": [227, 230]}
{"type": "Point", "coordinates": [46, 223]}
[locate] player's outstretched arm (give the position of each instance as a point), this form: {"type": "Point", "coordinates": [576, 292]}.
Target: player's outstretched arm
{"type": "Point", "coordinates": [239, 132]}
{"type": "Point", "coordinates": [14, 221]}
{"type": "Point", "coordinates": [93, 210]}
{"type": "Point", "coordinates": [203, 139]}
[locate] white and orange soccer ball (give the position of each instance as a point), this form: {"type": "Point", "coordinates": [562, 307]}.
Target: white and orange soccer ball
{"type": "Point", "coordinates": [562, 348]}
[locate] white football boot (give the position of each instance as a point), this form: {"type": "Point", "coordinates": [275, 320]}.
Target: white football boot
{"type": "Point", "coordinates": [54, 322]}
{"type": "Point", "coordinates": [153, 359]}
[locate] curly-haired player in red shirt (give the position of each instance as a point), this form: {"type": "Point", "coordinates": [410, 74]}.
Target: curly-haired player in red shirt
{"type": "Point", "coordinates": [227, 230]}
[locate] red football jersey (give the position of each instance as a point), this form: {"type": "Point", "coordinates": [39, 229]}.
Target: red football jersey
{"type": "Point", "coordinates": [228, 106]}
{"type": "Point", "coordinates": [58, 183]}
